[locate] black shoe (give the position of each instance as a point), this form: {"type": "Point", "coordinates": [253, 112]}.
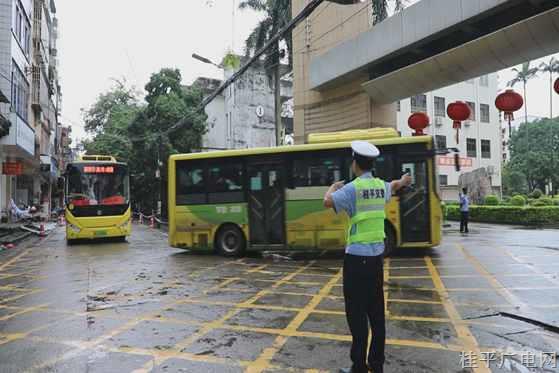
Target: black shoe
{"type": "Point", "coordinates": [376, 368]}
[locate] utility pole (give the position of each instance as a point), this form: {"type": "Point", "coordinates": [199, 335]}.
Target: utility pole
{"type": "Point", "coordinates": [277, 94]}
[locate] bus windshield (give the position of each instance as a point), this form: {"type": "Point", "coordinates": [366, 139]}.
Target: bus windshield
{"type": "Point", "coordinates": [97, 184]}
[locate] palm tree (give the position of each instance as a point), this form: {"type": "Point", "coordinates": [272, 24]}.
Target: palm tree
{"type": "Point", "coordinates": [380, 9]}
{"type": "Point", "coordinates": [524, 75]}
{"type": "Point", "coordinates": [551, 67]}
{"type": "Point", "coordinates": [278, 15]}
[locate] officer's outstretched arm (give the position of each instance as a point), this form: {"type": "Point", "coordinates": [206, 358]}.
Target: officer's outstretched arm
{"type": "Point", "coordinates": [328, 201]}
{"type": "Point", "coordinates": [404, 181]}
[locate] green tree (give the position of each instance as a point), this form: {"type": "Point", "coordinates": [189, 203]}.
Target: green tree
{"type": "Point", "coordinates": [524, 74]}
{"type": "Point", "coordinates": [108, 120]}
{"type": "Point", "coordinates": [102, 113]}
{"type": "Point", "coordinates": [514, 181]}
{"type": "Point", "coordinates": [534, 149]}
{"type": "Point", "coordinates": [550, 67]}
{"type": "Point", "coordinates": [277, 14]}
{"type": "Point", "coordinates": [380, 9]}
{"type": "Point", "coordinates": [155, 135]}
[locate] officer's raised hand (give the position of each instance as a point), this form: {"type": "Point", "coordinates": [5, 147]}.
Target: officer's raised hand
{"type": "Point", "coordinates": [337, 185]}
{"type": "Point", "coordinates": [328, 203]}
{"type": "Point", "coordinates": [406, 180]}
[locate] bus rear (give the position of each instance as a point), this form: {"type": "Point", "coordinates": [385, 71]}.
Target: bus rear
{"type": "Point", "coordinates": [97, 199]}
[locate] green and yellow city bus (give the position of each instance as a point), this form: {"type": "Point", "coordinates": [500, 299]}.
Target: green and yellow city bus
{"type": "Point", "coordinates": [272, 198]}
{"type": "Point", "coordinates": [97, 198]}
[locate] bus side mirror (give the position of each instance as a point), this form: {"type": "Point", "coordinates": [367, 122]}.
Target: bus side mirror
{"type": "Point", "coordinates": [457, 162]}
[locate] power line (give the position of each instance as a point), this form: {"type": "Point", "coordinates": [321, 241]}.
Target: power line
{"type": "Point", "coordinates": [309, 8]}
{"type": "Point", "coordinates": [313, 18]}
{"type": "Point", "coordinates": [321, 36]}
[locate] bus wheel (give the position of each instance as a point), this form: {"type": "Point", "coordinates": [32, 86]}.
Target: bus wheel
{"type": "Point", "coordinates": [389, 241]}
{"type": "Point", "coordinates": [230, 241]}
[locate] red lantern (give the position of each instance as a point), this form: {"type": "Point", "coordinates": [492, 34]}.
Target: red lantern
{"type": "Point", "coordinates": [556, 86]}
{"type": "Point", "coordinates": [458, 111]}
{"type": "Point", "coordinates": [508, 102]}
{"type": "Point", "coordinates": [418, 122]}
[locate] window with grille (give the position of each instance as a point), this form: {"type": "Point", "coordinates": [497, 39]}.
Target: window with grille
{"type": "Point", "coordinates": [440, 141]}
{"type": "Point", "coordinates": [440, 106]}
{"type": "Point", "coordinates": [471, 148]}
{"type": "Point", "coordinates": [484, 113]}
{"type": "Point", "coordinates": [485, 148]}
{"type": "Point", "coordinates": [418, 103]}
{"type": "Point", "coordinates": [472, 106]}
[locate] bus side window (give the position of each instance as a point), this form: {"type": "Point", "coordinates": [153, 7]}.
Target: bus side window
{"type": "Point", "coordinates": [190, 184]}
{"type": "Point", "coordinates": [319, 170]}
{"type": "Point", "coordinates": [226, 182]}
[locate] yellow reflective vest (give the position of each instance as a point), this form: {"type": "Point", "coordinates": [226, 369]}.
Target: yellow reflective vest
{"type": "Point", "coordinates": [369, 214]}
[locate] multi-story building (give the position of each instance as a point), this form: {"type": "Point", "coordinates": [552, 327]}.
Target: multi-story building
{"type": "Point", "coordinates": [480, 137]}
{"type": "Point", "coordinates": [343, 106]}
{"type": "Point", "coordinates": [45, 97]}
{"type": "Point", "coordinates": [28, 70]}
{"type": "Point", "coordinates": [17, 148]}
{"type": "Point", "coordinates": [243, 116]}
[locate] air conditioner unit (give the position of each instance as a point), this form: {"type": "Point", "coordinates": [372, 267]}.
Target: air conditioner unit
{"type": "Point", "coordinates": [438, 121]}
{"type": "Point", "coordinates": [467, 123]}
{"type": "Point", "coordinates": [491, 170]}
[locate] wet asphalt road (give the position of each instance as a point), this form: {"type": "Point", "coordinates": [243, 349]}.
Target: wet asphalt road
{"type": "Point", "coordinates": [144, 307]}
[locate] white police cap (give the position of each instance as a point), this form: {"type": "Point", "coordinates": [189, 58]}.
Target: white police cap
{"type": "Point", "coordinates": [365, 149]}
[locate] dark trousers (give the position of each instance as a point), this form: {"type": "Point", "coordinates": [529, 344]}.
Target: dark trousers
{"type": "Point", "coordinates": [364, 306]}
{"type": "Point", "coordinates": [464, 216]}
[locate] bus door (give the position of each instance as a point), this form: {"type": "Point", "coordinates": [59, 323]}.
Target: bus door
{"type": "Point", "coordinates": [266, 203]}
{"type": "Point", "coordinates": [414, 203]}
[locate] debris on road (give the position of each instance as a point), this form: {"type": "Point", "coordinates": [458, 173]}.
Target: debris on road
{"type": "Point", "coordinates": [40, 229]}
{"type": "Point", "coordinates": [275, 257]}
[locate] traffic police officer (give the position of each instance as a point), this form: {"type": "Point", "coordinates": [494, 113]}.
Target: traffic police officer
{"type": "Point", "coordinates": [363, 200]}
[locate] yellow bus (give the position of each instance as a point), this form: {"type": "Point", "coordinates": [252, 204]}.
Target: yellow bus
{"type": "Point", "coordinates": [97, 199]}
{"type": "Point", "coordinates": [272, 198]}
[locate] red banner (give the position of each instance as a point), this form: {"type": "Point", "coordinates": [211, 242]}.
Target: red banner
{"type": "Point", "coordinates": [449, 161]}
{"type": "Point", "coordinates": [12, 168]}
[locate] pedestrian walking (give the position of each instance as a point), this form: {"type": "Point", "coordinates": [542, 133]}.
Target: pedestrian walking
{"type": "Point", "coordinates": [363, 200]}
{"type": "Point", "coordinates": [464, 210]}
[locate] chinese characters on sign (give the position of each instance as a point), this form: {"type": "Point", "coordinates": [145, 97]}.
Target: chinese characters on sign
{"type": "Point", "coordinates": [529, 359]}
{"type": "Point", "coordinates": [99, 170]}
{"type": "Point", "coordinates": [228, 209]}
{"type": "Point", "coordinates": [12, 168]}
{"type": "Point", "coordinates": [449, 161]}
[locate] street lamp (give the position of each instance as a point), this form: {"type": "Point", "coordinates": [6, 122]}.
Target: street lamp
{"type": "Point", "coordinates": [205, 60]}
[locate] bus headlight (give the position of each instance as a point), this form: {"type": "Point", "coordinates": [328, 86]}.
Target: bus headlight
{"type": "Point", "coordinates": [125, 224]}
{"type": "Point", "coordinates": [73, 228]}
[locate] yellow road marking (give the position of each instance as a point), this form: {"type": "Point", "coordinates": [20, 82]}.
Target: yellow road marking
{"type": "Point", "coordinates": [90, 344]}
{"type": "Point", "coordinates": [218, 323]}
{"type": "Point", "coordinates": [468, 341]}
{"type": "Point", "coordinates": [263, 361]}
{"type": "Point", "coordinates": [14, 259]}
{"type": "Point", "coordinates": [16, 297]}
{"type": "Point", "coordinates": [495, 284]}
{"type": "Point", "coordinates": [25, 310]}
